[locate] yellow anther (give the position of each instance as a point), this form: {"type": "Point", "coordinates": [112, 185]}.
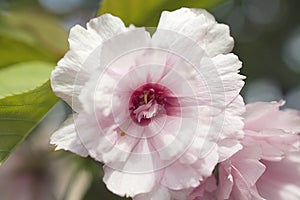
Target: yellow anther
{"type": "Point", "coordinates": [123, 133]}
{"type": "Point", "coordinates": [146, 97]}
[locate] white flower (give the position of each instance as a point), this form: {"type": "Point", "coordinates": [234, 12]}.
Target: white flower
{"type": "Point", "coordinates": [159, 111]}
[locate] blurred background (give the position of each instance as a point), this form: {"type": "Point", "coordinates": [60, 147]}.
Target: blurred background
{"type": "Point", "coordinates": [267, 40]}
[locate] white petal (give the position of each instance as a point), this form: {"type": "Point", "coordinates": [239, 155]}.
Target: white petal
{"type": "Point", "coordinates": [110, 66]}
{"type": "Point", "coordinates": [227, 148]}
{"type": "Point", "coordinates": [63, 80]}
{"type": "Point", "coordinates": [233, 120]}
{"type": "Point", "coordinates": [134, 176]}
{"type": "Point", "coordinates": [96, 138]}
{"type": "Point", "coordinates": [200, 26]}
{"type": "Point", "coordinates": [82, 43]}
{"type": "Point", "coordinates": [228, 68]}
{"type": "Point", "coordinates": [66, 138]}
{"type": "Point", "coordinates": [160, 192]}
{"type": "Point", "coordinates": [128, 184]}
{"type": "Point", "coordinates": [229, 139]}
{"type": "Point", "coordinates": [175, 180]}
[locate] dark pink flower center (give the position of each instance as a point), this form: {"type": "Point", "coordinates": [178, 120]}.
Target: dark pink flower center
{"type": "Point", "coordinates": [151, 100]}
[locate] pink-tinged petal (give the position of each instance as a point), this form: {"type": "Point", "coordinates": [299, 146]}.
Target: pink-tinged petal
{"type": "Point", "coordinates": [241, 190]}
{"type": "Point", "coordinates": [281, 178]}
{"type": "Point", "coordinates": [175, 138]}
{"type": "Point", "coordinates": [263, 169]}
{"type": "Point", "coordinates": [274, 143]}
{"type": "Point", "coordinates": [207, 162]}
{"type": "Point", "coordinates": [159, 192]}
{"type": "Point", "coordinates": [240, 173]}
{"type": "Point", "coordinates": [128, 184]}
{"type": "Point", "coordinates": [229, 139]}
{"type": "Point", "coordinates": [180, 194]}
{"type": "Point", "coordinates": [109, 145]}
{"type": "Point", "coordinates": [205, 191]}
{"type": "Point", "coordinates": [228, 67]}
{"type": "Point", "coordinates": [63, 80]}
{"type": "Point", "coordinates": [251, 169]}
{"type": "Point", "coordinates": [82, 43]}
{"type": "Point", "coordinates": [182, 180]}
{"type": "Point", "coordinates": [106, 26]}
{"type": "Point", "coordinates": [267, 115]}
{"type": "Point", "coordinates": [225, 180]}
{"type": "Point", "coordinates": [227, 148]}
{"type": "Point", "coordinates": [135, 176]}
{"type": "Point", "coordinates": [199, 148]}
{"type": "Point", "coordinates": [113, 65]}
{"type": "Point", "coordinates": [257, 110]}
{"type": "Point", "coordinates": [210, 78]}
{"type": "Point", "coordinates": [214, 78]}
{"type": "Point", "coordinates": [66, 138]}
{"type": "Point", "coordinates": [201, 27]}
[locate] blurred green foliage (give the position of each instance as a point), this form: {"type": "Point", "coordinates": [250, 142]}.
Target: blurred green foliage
{"type": "Point", "coordinates": [147, 12]}
{"type": "Point", "coordinates": [25, 37]}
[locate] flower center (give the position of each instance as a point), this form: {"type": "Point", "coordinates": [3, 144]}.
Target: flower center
{"type": "Point", "coordinates": [151, 100]}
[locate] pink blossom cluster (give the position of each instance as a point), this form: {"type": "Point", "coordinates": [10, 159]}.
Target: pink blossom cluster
{"type": "Point", "coordinates": [164, 113]}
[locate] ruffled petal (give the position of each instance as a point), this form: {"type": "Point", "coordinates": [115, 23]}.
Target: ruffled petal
{"type": "Point", "coordinates": [82, 43]}
{"type": "Point", "coordinates": [158, 193]}
{"type": "Point", "coordinates": [128, 184]}
{"type": "Point", "coordinates": [267, 115]}
{"type": "Point", "coordinates": [189, 178]}
{"type": "Point", "coordinates": [281, 179]}
{"type": "Point", "coordinates": [274, 143]}
{"type": "Point", "coordinates": [66, 138]}
{"type": "Point", "coordinates": [238, 175]}
{"type": "Point", "coordinates": [205, 191]}
{"type": "Point", "coordinates": [228, 67]}
{"type": "Point", "coordinates": [229, 139]}
{"type": "Point", "coordinates": [201, 27]}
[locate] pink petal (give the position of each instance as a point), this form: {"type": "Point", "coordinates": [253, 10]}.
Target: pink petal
{"type": "Point", "coordinates": [281, 178]}
{"type": "Point", "coordinates": [265, 115]}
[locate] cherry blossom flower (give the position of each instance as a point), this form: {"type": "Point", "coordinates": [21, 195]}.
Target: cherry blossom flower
{"type": "Point", "coordinates": [159, 111]}
{"type": "Point", "coordinates": [268, 166]}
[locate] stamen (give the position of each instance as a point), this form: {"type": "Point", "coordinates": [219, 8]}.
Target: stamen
{"type": "Point", "coordinates": [123, 134]}
{"type": "Point", "coordinates": [148, 101]}
{"type": "Point", "coordinates": [145, 96]}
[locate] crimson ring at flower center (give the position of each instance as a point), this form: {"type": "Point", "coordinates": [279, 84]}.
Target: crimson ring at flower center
{"type": "Point", "coordinates": [151, 100]}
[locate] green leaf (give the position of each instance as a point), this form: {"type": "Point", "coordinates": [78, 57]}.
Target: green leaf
{"type": "Point", "coordinates": [19, 114]}
{"type": "Point", "coordinates": [22, 77]}
{"type": "Point", "coordinates": [25, 37]}
{"type": "Point", "coordinates": [147, 12]}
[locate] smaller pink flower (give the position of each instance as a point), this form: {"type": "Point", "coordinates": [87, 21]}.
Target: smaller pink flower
{"type": "Point", "coordinates": [268, 166]}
